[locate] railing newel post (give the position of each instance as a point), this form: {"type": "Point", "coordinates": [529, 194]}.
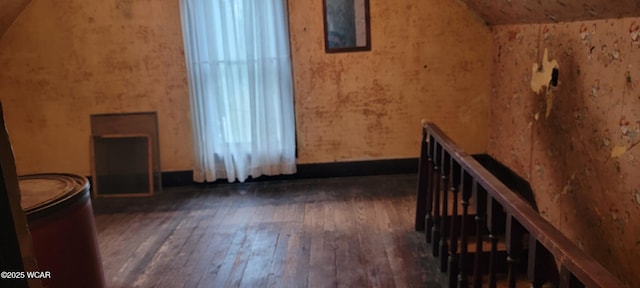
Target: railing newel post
{"type": "Point", "coordinates": [423, 183]}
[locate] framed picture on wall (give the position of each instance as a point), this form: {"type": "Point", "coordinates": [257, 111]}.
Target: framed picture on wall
{"type": "Point", "coordinates": [346, 26]}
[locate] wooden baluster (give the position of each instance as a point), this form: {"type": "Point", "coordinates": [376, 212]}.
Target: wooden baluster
{"type": "Point", "coordinates": [513, 236]}
{"type": "Point", "coordinates": [534, 268]}
{"type": "Point", "coordinates": [541, 268]}
{"type": "Point", "coordinates": [444, 233]}
{"type": "Point", "coordinates": [431, 172]}
{"type": "Point", "coordinates": [480, 196]}
{"type": "Point", "coordinates": [456, 175]}
{"type": "Point", "coordinates": [593, 275]}
{"type": "Point", "coordinates": [495, 223]}
{"type": "Point", "coordinates": [423, 183]}
{"type": "Point", "coordinates": [477, 274]}
{"type": "Point", "coordinates": [492, 260]}
{"type": "Point", "coordinates": [435, 231]}
{"type": "Point", "coordinates": [568, 280]}
{"type": "Point", "coordinates": [467, 187]}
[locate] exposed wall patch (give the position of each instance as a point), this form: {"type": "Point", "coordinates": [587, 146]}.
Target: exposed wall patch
{"type": "Point", "coordinates": [544, 76]}
{"type": "Point", "coordinates": [634, 32]}
{"type": "Point", "coordinates": [618, 150]}
{"type": "Point", "coordinates": [636, 197]}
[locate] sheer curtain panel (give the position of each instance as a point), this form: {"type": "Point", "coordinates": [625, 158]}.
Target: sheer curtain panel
{"type": "Point", "coordinates": [240, 83]}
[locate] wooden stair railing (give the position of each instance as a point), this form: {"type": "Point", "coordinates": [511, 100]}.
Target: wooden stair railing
{"type": "Point", "coordinates": [460, 203]}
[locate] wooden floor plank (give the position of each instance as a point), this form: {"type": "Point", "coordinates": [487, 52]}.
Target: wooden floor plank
{"type": "Point", "coordinates": [314, 222]}
{"type": "Point", "coordinates": [295, 256]}
{"type": "Point", "coordinates": [262, 250]}
{"type": "Point", "coordinates": [210, 248]}
{"type": "Point", "coordinates": [192, 249]}
{"type": "Point", "coordinates": [276, 271]}
{"type": "Point", "coordinates": [232, 266]}
{"type": "Point", "coordinates": [290, 223]}
{"type": "Point", "coordinates": [334, 232]}
{"type": "Point", "coordinates": [350, 261]}
{"type": "Point", "coordinates": [220, 274]}
{"type": "Point", "coordinates": [370, 236]}
{"type": "Point", "coordinates": [158, 269]}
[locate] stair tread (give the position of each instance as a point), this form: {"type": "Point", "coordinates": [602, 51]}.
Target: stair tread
{"type": "Point", "coordinates": [486, 245]}
{"type": "Point", "coordinates": [521, 281]}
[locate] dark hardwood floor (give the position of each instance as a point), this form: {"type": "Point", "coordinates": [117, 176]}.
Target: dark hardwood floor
{"type": "Point", "coordinates": [335, 232]}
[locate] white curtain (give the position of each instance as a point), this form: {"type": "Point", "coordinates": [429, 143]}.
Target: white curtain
{"type": "Point", "coordinates": [239, 69]}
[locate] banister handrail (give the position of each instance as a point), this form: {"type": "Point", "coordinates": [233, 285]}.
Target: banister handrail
{"type": "Point", "coordinates": [584, 267]}
{"type": "Point", "coordinates": [444, 140]}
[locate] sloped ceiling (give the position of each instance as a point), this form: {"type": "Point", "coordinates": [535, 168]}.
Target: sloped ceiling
{"type": "Point", "coordinates": [498, 12]}
{"type": "Point", "coordinates": [494, 12]}
{"type": "Point", "coordinates": [9, 10]}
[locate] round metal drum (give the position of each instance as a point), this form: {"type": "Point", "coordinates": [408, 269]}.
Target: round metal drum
{"type": "Point", "coordinates": [60, 217]}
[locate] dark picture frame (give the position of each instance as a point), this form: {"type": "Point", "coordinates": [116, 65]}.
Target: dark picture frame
{"type": "Point", "coordinates": [346, 25]}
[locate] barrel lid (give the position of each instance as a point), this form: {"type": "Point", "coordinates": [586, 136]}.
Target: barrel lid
{"type": "Point", "coordinates": [39, 191]}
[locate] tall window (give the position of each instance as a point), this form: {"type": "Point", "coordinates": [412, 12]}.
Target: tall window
{"type": "Point", "coordinates": [240, 83]}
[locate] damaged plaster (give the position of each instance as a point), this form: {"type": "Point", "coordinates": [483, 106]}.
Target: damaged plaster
{"type": "Point", "coordinates": [541, 74]}
{"type": "Point", "coordinates": [583, 157]}
{"type": "Point", "coordinates": [544, 78]}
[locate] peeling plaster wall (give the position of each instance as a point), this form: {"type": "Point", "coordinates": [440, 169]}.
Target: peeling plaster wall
{"type": "Point", "coordinates": [429, 59]}
{"type": "Point", "coordinates": [582, 161]}
{"type": "Point", "coordinates": [65, 60]}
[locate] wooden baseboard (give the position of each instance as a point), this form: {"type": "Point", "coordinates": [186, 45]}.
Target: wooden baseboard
{"type": "Point", "coordinates": [315, 170]}
{"type": "Point", "coordinates": [358, 168]}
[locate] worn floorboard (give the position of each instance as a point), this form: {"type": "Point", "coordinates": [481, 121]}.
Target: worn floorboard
{"type": "Point", "coordinates": [335, 232]}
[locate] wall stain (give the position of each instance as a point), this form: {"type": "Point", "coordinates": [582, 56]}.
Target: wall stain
{"type": "Point", "coordinates": [125, 7]}
{"type": "Point", "coordinates": [378, 94]}
{"type": "Point", "coordinates": [568, 157]}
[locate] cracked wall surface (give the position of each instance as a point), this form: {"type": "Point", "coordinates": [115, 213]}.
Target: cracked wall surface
{"type": "Point", "coordinates": [582, 161]}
